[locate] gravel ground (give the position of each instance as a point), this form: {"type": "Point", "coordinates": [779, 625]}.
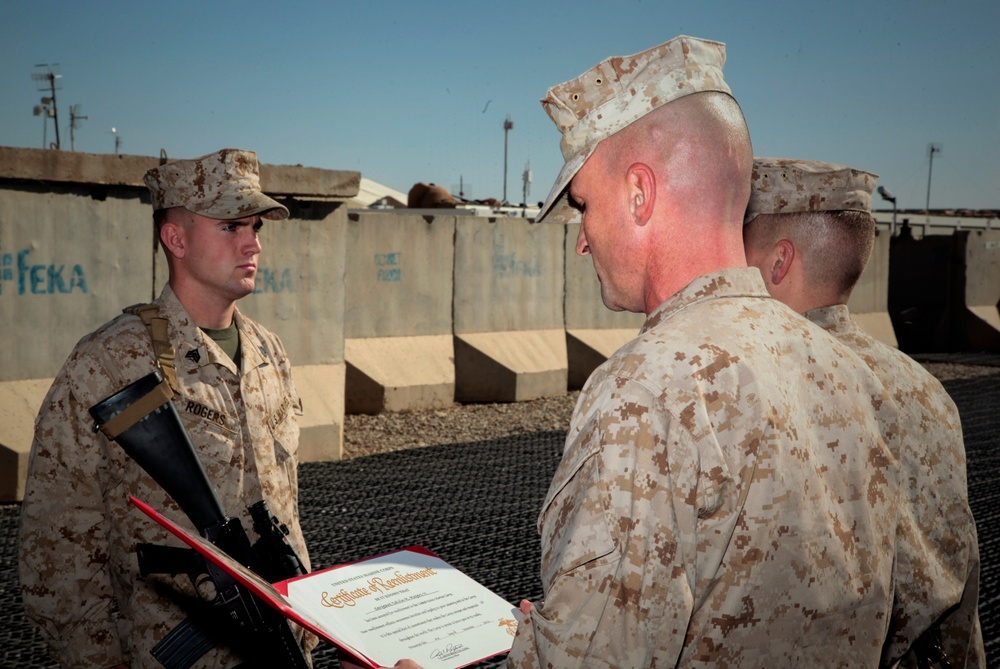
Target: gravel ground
{"type": "Point", "coordinates": [383, 433]}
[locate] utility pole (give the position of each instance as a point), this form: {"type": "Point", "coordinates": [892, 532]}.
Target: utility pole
{"type": "Point", "coordinates": [46, 76]}
{"type": "Point", "coordinates": [507, 125]}
{"type": "Point", "coordinates": [932, 149]}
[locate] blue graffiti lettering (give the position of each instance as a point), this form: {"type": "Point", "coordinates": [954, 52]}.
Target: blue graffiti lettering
{"type": "Point", "coordinates": [271, 281]}
{"type": "Point", "coordinates": [39, 279]}
{"type": "Point", "coordinates": [507, 265]}
{"type": "Point", "coordinates": [384, 259]}
{"type": "Point", "coordinates": [77, 280]}
{"type": "Point", "coordinates": [393, 275]}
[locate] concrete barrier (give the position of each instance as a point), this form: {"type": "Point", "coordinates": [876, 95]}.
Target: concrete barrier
{"type": "Point", "coordinates": [398, 324]}
{"type": "Point", "coordinates": [920, 286]}
{"type": "Point", "coordinates": [76, 245]}
{"type": "Point", "coordinates": [71, 256]}
{"type": "Point", "coordinates": [976, 322]}
{"type": "Point", "coordinates": [869, 303]}
{"type": "Point", "coordinates": [944, 292]}
{"type": "Point", "coordinates": [509, 319]}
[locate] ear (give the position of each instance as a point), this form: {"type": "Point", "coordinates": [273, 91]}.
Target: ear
{"type": "Point", "coordinates": [781, 261]}
{"type": "Point", "coordinates": [173, 238]}
{"type": "Point", "coordinates": [641, 192]}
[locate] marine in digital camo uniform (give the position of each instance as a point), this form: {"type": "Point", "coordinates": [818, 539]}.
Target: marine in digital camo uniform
{"type": "Point", "coordinates": [79, 531]}
{"type": "Point", "coordinates": [810, 232]}
{"type": "Point", "coordinates": [725, 497]}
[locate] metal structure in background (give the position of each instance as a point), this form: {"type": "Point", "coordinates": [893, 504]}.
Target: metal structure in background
{"type": "Point", "coordinates": [507, 126]}
{"type": "Point", "coordinates": [74, 123]}
{"type": "Point", "coordinates": [932, 148]}
{"type": "Point", "coordinates": [889, 197]}
{"type": "Point", "coordinates": [526, 178]}
{"type": "Point", "coordinates": [46, 76]}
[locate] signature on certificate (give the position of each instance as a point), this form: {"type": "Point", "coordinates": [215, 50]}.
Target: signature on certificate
{"type": "Point", "coordinates": [449, 651]}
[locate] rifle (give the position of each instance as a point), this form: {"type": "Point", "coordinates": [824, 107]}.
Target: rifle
{"type": "Point", "coordinates": [144, 422]}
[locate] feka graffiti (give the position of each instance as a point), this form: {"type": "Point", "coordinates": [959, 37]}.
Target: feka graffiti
{"type": "Point", "coordinates": [18, 276]}
{"type": "Point", "coordinates": [273, 281]}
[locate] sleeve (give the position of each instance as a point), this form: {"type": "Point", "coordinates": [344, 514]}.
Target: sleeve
{"type": "Point", "coordinates": [938, 563]}
{"type": "Point", "coordinates": [617, 590]}
{"type": "Point", "coordinates": [65, 583]}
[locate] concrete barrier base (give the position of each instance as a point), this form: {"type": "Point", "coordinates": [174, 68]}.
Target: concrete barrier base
{"type": "Point", "coordinates": [399, 374]}
{"type": "Point", "coordinates": [321, 428]}
{"type": "Point", "coordinates": [510, 366]}
{"type": "Point", "coordinates": [588, 348]}
{"type": "Point", "coordinates": [19, 404]}
{"type": "Point", "coordinates": [980, 328]}
{"type": "Point", "coordinates": [878, 325]}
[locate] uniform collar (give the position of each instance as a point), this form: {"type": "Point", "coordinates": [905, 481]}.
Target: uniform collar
{"type": "Point", "coordinates": [834, 318]}
{"type": "Point", "coordinates": [195, 349]}
{"type": "Point", "coordinates": [729, 282]}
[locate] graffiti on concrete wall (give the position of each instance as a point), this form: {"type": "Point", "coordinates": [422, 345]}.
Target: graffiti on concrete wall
{"type": "Point", "coordinates": [509, 266]}
{"type": "Point", "coordinates": [273, 281]}
{"type": "Point", "coordinates": [19, 276]}
{"type": "Point", "coordinates": [387, 267]}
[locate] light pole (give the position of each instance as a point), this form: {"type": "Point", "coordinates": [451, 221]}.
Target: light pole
{"type": "Point", "coordinates": [507, 125]}
{"type": "Point", "coordinates": [932, 149]}
{"type": "Point", "coordinates": [526, 178]}
{"type": "Point", "coordinates": [889, 197]}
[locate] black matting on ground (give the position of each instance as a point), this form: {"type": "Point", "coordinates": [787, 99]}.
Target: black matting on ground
{"type": "Point", "coordinates": [476, 504]}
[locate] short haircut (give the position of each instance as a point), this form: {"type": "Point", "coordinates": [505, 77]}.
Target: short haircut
{"type": "Point", "coordinates": [835, 246]}
{"type": "Point", "coordinates": [161, 216]}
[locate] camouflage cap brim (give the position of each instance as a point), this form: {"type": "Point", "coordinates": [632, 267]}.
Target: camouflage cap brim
{"type": "Point", "coordinates": [239, 205]}
{"type": "Point", "coordinates": [790, 186]}
{"type": "Point", "coordinates": [224, 185]}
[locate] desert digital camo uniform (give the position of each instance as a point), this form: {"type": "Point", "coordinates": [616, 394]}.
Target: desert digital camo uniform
{"type": "Point", "coordinates": [725, 498]}
{"type": "Point", "coordinates": [79, 529]}
{"type": "Point", "coordinates": [939, 550]}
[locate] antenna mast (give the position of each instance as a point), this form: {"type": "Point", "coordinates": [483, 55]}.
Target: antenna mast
{"type": "Point", "coordinates": [74, 123]}
{"type": "Point", "coordinates": [46, 76]}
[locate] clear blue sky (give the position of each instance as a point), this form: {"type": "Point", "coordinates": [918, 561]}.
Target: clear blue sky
{"type": "Point", "coordinates": [406, 91]}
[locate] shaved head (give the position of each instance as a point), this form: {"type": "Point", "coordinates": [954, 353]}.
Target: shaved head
{"type": "Point", "coordinates": [700, 148]}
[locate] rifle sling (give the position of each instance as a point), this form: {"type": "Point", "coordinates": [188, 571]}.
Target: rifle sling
{"type": "Point", "coordinates": [141, 408]}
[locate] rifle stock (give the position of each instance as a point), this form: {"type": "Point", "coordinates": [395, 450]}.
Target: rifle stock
{"type": "Point", "coordinates": [160, 445]}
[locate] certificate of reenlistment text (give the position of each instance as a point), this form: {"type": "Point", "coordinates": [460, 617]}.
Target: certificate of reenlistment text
{"type": "Point", "coordinates": [404, 604]}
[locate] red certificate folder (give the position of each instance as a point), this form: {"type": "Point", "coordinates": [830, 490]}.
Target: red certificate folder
{"type": "Point", "coordinates": [402, 604]}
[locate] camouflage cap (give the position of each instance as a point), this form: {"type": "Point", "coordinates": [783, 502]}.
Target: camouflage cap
{"type": "Point", "coordinates": [223, 185]}
{"type": "Point", "coordinates": [619, 91]}
{"type": "Point", "coordinates": [786, 186]}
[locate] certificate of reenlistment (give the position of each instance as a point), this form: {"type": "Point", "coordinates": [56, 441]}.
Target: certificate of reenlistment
{"type": "Point", "coordinates": [404, 604]}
